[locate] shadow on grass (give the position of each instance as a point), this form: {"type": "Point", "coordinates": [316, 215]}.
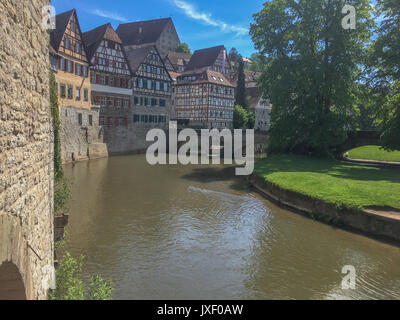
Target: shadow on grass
{"type": "Point", "coordinates": [334, 168]}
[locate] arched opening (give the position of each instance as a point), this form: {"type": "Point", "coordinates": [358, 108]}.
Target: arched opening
{"type": "Point", "coordinates": [11, 283]}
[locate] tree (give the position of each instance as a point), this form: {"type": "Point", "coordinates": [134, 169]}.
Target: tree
{"type": "Point", "coordinates": [310, 71]}
{"type": "Point", "coordinates": [239, 117]}
{"type": "Point", "coordinates": [234, 58]}
{"type": "Point", "coordinates": [258, 62]}
{"type": "Point", "coordinates": [386, 63]}
{"type": "Point", "coordinates": [241, 98]}
{"type": "Point", "coordinates": [183, 48]}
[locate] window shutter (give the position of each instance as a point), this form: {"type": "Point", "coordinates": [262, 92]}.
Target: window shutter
{"type": "Point", "coordinates": [107, 79]}
{"type": "Point", "coordinates": [97, 79]}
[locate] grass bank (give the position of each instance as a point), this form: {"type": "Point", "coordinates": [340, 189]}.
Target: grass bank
{"type": "Point", "coordinates": [374, 153]}
{"type": "Point", "coordinates": [338, 182]}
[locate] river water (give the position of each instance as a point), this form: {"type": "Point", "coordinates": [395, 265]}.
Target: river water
{"type": "Point", "coordinates": [199, 232]}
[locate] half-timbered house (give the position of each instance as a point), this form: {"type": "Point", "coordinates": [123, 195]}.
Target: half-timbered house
{"type": "Point", "coordinates": [110, 76]}
{"type": "Point", "coordinates": [80, 134]}
{"type": "Point", "coordinates": [204, 99]}
{"type": "Point", "coordinates": [151, 88]}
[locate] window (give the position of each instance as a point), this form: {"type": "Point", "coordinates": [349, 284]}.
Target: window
{"type": "Point", "coordinates": [103, 101]}
{"type": "Point", "coordinates": [153, 102]}
{"type": "Point", "coordinates": [70, 66]}
{"type": "Point", "coordinates": [126, 103]}
{"type": "Point", "coordinates": [157, 85]}
{"type": "Point", "coordinates": [103, 80]}
{"type": "Point", "coordinates": [148, 84]}
{"type": "Point", "coordinates": [102, 121]}
{"type": "Point", "coordinates": [78, 94]}
{"type": "Point", "coordinates": [90, 120]}
{"type": "Point", "coordinates": [70, 93]}
{"type": "Point", "coordinates": [146, 101]}
{"type": "Point", "coordinates": [148, 69]}
{"type": "Point", "coordinates": [135, 101]}
{"type": "Point", "coordinates": [136, 118]}
{"type": "Point", "coordinates": [85, 71]}
{"type": "Point", "coordinates": [165, 86]}
{"type": "Point", "coordinates": [67, 43]}
{"type": "Point", "coordinates": [77, 47]}
{"type": "Point", "coordinates": [119, 103]}
{"type": "Point", "coordinates": [62, 90]}
{"type": "Point", "coordinates": [162, 103]}
{"type": "Point", "coordinates": [62, 64]}
{"type": "Point", "coordinates": [121, 121]}
{"type": "Point", "coordinates": [85, 94]}
{"type": "Point", "coordinates": [78, 69]}
{"type": "Point", "coordinates": [80, 118]}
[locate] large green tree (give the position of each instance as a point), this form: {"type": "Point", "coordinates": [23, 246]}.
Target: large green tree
{"type": "Point", "coordinates": [386, 61]}
{"type": "Point", "coordinates": [312, 65]}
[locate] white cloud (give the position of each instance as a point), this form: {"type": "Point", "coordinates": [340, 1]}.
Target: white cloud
{"type": "Point", "coordinates": [109, 15]}
{"type": "Point", "coordinates": [207, 18]}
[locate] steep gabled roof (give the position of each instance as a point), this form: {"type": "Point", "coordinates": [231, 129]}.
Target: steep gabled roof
{"type": "Point", "coordinates": [135, 57]}
{"type": "Point", "coordinates": [207, 76]}
{"type": "Point", "coordinates": [142, 32]}
{"type": "Point", "coordinates": [93, 38]}
{"type": "Point", "coordinates": [204, 57]}
{"type": "Point", "coordinates": [179, 58]}
{"type": "Point", "coordinates": [57, 34]}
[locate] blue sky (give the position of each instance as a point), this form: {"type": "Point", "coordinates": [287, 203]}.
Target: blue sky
{"type": "Point", "coordinates": [200, 23]}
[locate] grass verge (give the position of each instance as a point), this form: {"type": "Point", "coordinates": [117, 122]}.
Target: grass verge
{"type": "Point", "coordinates": [338, 182]}
{"type": "Point", "coordinates": [374, 153]}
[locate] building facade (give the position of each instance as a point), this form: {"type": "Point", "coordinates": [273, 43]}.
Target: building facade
{"type": "Point", "coordinates": [110, 76]}
{"type": "Point", "coordinates": [158, 32]}
{"type": "Point", "coordinates": [204, 99]}
{"type": "Point", "coordinates": [79, 122]}
{"type": "Point", "coordinates": [261, 109]}
{"type": "Point", "coordinates": [151, 88]}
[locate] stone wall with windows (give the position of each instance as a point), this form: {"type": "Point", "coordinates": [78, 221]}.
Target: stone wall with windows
{"type": "Point", "coordinates": [81, 135]}
{"type": "Point", "coordinates": [26, 152]}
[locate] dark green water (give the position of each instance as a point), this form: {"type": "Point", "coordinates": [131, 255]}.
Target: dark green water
{"type": "Point", "coordinates": [195, 232]}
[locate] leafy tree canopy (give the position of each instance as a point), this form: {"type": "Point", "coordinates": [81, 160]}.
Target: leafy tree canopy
{"type": "Point", "coordinates": [311, 69]}
{"type": "Point", "coordinates": [183, 48]}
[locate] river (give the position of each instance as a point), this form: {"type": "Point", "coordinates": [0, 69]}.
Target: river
{"type": "Point", "coordinates": [199, 232]}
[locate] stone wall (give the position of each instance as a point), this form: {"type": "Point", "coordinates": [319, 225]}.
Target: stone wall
{"type": "Point", "coordinates": [127, 139]}
{"type": "Point", "coordinates": [26, 145]}
{"type": "Point", "coordinates": [81, 141]}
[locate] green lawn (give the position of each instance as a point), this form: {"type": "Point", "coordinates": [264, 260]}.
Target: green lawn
{"type": "Point", "coordinates": [374, 153]}
{"type": "Point", "coordinates": [338, 182]}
